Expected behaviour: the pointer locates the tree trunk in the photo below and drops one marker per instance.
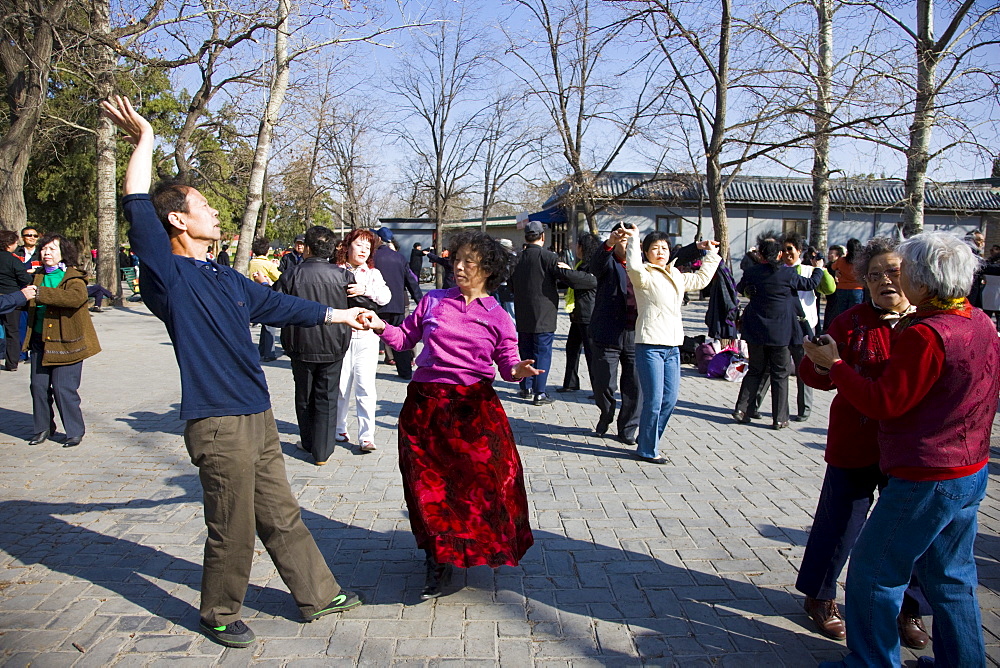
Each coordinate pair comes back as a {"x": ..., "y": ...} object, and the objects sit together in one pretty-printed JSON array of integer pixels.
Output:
[
  {"x": 820, "y": 223},
  {"x": 713, "y": 172},
  {"x": 255, "y": 188},
  {"x": 107, "y": 221},
  {"x": 26, "y": 65},
  {"x": 717, "y": 205},
  {"x": 918, "y": 152}
]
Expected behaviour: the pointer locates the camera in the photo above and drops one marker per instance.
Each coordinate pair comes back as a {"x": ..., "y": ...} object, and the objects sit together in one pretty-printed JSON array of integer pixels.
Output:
[{"x": 622, "y": 225}]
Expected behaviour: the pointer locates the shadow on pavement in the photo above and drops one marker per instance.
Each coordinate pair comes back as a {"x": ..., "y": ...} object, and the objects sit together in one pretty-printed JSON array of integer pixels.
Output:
[{"x": 671, "y": 610}]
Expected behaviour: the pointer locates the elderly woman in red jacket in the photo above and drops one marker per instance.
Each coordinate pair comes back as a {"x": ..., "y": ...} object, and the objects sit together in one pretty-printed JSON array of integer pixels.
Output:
[
  {"x": 862, "y": 334},
  {"x": 935, "y": 402}
]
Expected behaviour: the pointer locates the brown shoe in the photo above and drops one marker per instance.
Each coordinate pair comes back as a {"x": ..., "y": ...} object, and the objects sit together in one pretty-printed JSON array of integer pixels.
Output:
[
  {"x": 826, "y": 615},
  {"x": 911, "y": 631}
]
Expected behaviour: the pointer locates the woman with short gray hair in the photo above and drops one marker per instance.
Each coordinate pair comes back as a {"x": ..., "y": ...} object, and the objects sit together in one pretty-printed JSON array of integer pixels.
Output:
[{"x": 935, "y": 403}]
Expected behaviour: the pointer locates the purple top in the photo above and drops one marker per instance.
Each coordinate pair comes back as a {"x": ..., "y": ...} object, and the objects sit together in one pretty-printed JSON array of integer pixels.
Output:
[{"x": 461, "y": 341}]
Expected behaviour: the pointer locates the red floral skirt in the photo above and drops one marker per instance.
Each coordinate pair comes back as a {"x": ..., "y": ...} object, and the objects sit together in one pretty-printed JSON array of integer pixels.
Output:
[{"x": 462, "y": 478}]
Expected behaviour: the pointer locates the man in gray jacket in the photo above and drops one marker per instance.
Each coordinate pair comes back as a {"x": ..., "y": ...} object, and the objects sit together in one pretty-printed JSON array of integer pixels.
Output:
[{"x": 317, "y": 352}]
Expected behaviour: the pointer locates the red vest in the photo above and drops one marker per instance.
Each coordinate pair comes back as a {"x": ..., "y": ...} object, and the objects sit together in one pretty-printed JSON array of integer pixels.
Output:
[{"x": 950, "y": 427}]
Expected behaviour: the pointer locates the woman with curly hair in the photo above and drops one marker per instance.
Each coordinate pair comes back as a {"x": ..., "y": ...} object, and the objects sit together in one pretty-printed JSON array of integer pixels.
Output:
[
  {"x": 60, "y": 336},
  {"x": 356, "y": 254},
  {"x": 462, "y": 477}
]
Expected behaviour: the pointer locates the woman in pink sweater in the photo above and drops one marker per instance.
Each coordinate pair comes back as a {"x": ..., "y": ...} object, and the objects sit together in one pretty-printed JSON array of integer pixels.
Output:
[{"x": 462, "y": 478}]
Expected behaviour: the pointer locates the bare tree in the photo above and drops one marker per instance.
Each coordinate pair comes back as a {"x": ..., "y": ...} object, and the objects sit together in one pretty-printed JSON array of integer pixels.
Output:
[
  {"x": 592, "y": 111},
  {"x": 959, "y": 43},
  {"x": 827, "y": 90},
  {"x": 509, "y": 146},
  {"x": 345, "y": 142},
  {"x": 439, "y": 79},
  {"x": 284, "y": 56}
]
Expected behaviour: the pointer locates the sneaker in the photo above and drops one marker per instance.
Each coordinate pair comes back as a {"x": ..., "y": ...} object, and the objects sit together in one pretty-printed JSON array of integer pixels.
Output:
[
  {"x": 342, "y": 438},
  {"x": 236, "y": 634},
  {"x": 367, "y": 446},
  {"x": 345, "y": 600}
]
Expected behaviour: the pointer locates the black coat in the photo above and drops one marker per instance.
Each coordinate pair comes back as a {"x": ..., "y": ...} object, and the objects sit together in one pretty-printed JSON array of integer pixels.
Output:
[
  {"x": 289, "y": 260},
  {"x": 318, "y": 280},
  {"x": 416, "y": 261},
  {"x": 723, "y": 305},
  {"x": 13, "y": 277},
  {"x": 397, "y": 275},
  {"x": 536, "y": 295},
  {"x": 771, "y": 318}
]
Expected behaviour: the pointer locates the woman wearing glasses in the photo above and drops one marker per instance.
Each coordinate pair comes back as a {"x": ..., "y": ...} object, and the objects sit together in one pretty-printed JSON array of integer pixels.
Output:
[{"x": 862, "y": 334}]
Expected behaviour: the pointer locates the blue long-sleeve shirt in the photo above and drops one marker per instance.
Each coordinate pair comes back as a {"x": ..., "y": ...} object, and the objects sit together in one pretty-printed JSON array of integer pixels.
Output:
[{"x": 207, "y": 309}]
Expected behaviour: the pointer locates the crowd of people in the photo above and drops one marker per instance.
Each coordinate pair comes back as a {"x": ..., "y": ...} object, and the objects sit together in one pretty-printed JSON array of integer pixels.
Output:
[{"x": 911, "y": 360}]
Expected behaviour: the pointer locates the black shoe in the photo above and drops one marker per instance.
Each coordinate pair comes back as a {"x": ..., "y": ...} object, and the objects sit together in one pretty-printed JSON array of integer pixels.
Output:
[
  {"x": 40, "y": 437},
  {"x": 72, "y": 442},
  {"x": 345, "y": 600},
  {"x": 627, "y": 440},
  {"x": 651, "y": 460},
  {"x": 781, "y": 425},
  {"x": 755, "y": 415},
  {"x": 602, "y": 427},
  {"x": 741, "y": 417},
  {"x": 524, "y": 394},
  {"x": 267, "y": 359},
  {"x": 236, "y": 634},
  {"x": 803, "y": 416},
  {"x": 438, "y": 575},
  {"x": 543, "y": 400},
  {"x": 568, "y": 389}
]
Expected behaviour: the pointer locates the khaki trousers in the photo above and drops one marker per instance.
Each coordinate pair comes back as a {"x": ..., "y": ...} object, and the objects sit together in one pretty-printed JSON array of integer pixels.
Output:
[{"x": 242, "y": 471}]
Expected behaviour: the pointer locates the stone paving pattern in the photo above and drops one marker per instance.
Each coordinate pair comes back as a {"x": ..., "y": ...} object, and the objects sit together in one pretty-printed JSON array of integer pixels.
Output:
[{"x": 689, "y": 564}]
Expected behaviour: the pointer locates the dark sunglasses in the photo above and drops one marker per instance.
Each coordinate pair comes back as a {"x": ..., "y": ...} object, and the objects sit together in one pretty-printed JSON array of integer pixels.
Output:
[{"x": 30, "y": 235}]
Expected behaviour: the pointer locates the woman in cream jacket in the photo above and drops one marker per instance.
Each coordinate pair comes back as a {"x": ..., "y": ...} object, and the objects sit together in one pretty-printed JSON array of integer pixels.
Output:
[{"x": 659, "y": 291}]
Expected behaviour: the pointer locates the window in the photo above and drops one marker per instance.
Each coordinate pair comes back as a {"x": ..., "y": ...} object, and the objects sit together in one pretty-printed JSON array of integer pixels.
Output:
[
  {"x": 801, "y": 227},
  {"x": 669, "y": 224}
]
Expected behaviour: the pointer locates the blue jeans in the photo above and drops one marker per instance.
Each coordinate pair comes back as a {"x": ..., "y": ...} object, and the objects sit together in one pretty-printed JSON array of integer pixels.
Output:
[
  {"x": 928, "y": 528},
  {"x": 659, "y": 371},
  {"x": 536, "y": 347}
]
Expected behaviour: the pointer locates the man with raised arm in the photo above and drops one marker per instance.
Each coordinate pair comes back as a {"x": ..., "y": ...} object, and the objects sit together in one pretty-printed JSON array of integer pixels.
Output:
[{"x": 230, "y": 433}]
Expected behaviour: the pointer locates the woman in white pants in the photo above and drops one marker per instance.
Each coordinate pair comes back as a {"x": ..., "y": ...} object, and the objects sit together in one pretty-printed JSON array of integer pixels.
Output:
[{"x": 356, "y": 254}]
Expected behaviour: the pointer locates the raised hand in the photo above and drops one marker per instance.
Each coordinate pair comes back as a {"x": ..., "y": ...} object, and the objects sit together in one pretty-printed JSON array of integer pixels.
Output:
[
  {"x": 708, "y": 244},
  {"x": 119, "y": 109}
]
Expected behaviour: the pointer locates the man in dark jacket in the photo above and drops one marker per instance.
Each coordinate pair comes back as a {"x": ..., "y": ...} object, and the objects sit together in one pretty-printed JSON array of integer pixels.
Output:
[
  {"x": 612, "y": 333},
  {"x": 13, "y": 277},
  {"x": 417, "y": 259},
  {"x": 317, "y": 352},
  {"x": 397, "y": 275},
  {"x": 289, "y": 260},
  {"x": 223, "y": 259},
  {"x": 536, "y": 304}
]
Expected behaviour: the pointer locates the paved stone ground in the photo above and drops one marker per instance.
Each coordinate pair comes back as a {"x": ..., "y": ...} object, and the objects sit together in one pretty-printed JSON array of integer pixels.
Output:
[{"x": 691, "y": 564}]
